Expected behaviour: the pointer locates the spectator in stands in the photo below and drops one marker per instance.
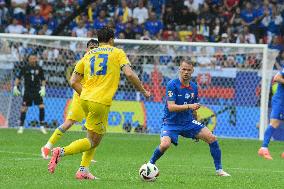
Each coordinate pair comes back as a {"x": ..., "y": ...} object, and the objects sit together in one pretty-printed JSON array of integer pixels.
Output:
[
  {"x": 137, "y": 29},
  {"x": 124, "y": 11},
  {"x": 169, "y": 19},
  {"x": 146, "y": 35},
  {"x": 203, "y": 29},
  {"x": 154, "y": 26},
  {"x": 101, "y": 21},
  {"x": 273, "y": 23},
  {"x": 249, "y": 16},
  {"x": 15, "y": 27},
  {"x": 45, "y": 9},
  {"x": 193, "y": 5},
  {"x": 157, "y": 6},
  {"x": 128, "y": 32},
  {"x": 44, "y": 30},
  {"x": 224, "y": 38},
  {"x": 263, "y": 11},
  {"x": 140, "y": 12},
  {"x": 52, "y": 22},
  {"x": 186, "y": 17},
  {"x": 3, "y": 15},
  {"x": 231, "y": 4},
  {"x": 30, "y": 29},
  {"x": 215, "y": 30},
  {"x": 80, "y": 30},
  {"x": 246, "y": 36},
  {"x": 206, "y": 14},
  {"x": 36, "y": 20},
  {"x": 236, "y": 21},
  {"x": 19, "y": 9},
  {"x": 119, "y": 26},
  {"x": 276, "y": 44}
]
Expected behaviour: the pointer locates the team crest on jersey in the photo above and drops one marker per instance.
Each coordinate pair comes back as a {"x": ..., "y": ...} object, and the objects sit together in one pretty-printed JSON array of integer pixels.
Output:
[
  {"x": 170, "y": 93},
  {"x": 187, "y": 96},
  {"x": 192, "y": 95}
]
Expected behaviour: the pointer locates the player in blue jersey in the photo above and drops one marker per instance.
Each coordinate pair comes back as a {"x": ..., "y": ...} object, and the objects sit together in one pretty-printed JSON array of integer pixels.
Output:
[
  {"x": 277, "y": 115},
  {"x": 179, "y": 117}
]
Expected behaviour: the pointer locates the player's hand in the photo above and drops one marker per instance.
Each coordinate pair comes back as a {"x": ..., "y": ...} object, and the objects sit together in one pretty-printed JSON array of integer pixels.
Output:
[
  {"x": 147, "y": 94},
  {"x": 16, "y": 91},
  {"x": 194, "y": 106},
  {"x": 42, "y": 91}
]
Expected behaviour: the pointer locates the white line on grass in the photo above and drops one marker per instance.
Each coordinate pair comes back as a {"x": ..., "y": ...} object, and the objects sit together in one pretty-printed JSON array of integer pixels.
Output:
[{"x": 234, "y": 168}]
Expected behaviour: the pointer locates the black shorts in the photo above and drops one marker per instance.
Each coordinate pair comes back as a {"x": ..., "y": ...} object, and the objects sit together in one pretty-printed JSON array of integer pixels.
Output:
[{"x": 30, "y": 98}]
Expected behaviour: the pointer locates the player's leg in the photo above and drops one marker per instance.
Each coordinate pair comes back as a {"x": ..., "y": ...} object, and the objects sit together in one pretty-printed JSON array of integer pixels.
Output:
[
  {"x": 75, "y": 114},
  {"x": 41, "y": 118},
  {"x": 96, "y": 128},
  {"x": 272, "y": 127},
  {"x": 24, "y": 110},
  {"x": 91, "y": 141},
  {"x": 206, "y": 135},
  {"x": 167, "y": 137},
  {"x": 27, "y": 101},
  {"x": 100, "y": 120},
  {"x": 56, "y": 135}
]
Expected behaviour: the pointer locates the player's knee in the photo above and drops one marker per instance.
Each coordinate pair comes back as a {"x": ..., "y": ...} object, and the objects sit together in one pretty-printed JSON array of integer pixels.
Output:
[
  {"x": 165, "y": 145},
  {"x": 212, "y": 139},
  {"x": 67, "y": 124},
  {"x": 41, "y": 106}
]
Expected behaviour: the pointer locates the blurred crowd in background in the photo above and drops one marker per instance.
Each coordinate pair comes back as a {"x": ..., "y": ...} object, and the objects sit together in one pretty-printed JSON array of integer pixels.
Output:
[{"x": 235, "y": 21}]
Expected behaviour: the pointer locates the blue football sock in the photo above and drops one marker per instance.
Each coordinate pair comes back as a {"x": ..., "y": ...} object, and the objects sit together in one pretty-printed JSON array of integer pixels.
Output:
[
  {"x": 216, "y": 154},
  {"x": 267, "y": 135},
  {"x": 156, "y": 155}
]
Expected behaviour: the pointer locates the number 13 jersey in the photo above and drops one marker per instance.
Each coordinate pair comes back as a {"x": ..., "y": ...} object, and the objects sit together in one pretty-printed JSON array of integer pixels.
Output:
[{"x": 101, "y": 71}]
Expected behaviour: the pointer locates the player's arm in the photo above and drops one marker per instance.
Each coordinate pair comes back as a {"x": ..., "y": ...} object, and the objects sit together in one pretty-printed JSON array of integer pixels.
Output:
[
  {"x": 133, "y": 78},
  {"x": 75, "y": 82},
  {"x": 16, "y": 91},
  {"x": 173, "y": 107},
  {"x": 279, "y": 78},
  {"x": 77, "y": 76},
  {"x": 43, "y": 82}
]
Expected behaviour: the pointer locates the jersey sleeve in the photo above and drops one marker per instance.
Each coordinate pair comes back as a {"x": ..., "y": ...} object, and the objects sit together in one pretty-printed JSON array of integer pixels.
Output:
[
  {"x": 79, "y": 68},
  {"x": 171, "y": 96},
  {"x": 122, "y": 58}
]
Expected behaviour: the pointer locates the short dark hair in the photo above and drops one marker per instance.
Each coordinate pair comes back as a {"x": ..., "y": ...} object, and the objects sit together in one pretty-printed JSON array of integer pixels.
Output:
[
  {"x": 186, "y": 60},
  {"x": 105, "y": 34},
  {"x": 92, "y": 42}
]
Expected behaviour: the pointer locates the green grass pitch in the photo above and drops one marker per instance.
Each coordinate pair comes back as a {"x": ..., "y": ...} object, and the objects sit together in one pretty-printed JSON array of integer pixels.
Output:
[{"x": 120, "y": 156}]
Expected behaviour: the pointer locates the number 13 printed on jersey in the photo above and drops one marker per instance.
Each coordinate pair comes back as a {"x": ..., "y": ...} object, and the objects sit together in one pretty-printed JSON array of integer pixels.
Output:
[{"x": 102, "y": 61}]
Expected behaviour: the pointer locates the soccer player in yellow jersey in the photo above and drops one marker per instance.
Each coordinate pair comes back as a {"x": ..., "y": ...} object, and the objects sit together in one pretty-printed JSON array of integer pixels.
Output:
[
  {"x": 75, "y": 114},
  {"x": 100, "y": 69}
]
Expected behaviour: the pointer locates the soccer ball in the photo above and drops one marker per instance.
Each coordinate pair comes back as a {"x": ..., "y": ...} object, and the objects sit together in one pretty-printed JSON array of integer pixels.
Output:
[{"x": 149, "y": 172}]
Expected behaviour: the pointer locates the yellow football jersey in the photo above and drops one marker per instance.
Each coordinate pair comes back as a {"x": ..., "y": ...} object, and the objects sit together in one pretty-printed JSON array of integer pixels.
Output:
[{"x": 101, "y": 70}]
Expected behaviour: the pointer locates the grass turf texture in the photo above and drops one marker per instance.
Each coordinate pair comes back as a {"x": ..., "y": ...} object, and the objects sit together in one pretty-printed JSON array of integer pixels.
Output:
[{"x": 120, "y": 156}]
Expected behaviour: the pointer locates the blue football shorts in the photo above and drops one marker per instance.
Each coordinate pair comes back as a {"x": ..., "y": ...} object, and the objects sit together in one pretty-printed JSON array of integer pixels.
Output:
[{"x": 173, "y": 131}]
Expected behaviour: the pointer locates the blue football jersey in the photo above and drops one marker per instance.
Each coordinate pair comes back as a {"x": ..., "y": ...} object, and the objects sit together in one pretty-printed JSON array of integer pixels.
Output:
[
  {"x": 180, "y": 95},
  {"x": 278, "y": 97}
]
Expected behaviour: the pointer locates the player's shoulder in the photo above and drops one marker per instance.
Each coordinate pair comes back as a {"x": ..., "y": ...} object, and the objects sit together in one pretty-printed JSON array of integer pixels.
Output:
[
  {"x": 173, "y": 82},
  {"x": 193, "y": 85}
]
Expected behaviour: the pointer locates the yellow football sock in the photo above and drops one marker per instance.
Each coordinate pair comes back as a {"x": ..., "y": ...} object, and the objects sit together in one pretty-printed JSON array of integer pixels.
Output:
[
  {"x": 77, "y": 146},
  {"x": 57, "y": 134},
  {"x": 87, "y": 157}
]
